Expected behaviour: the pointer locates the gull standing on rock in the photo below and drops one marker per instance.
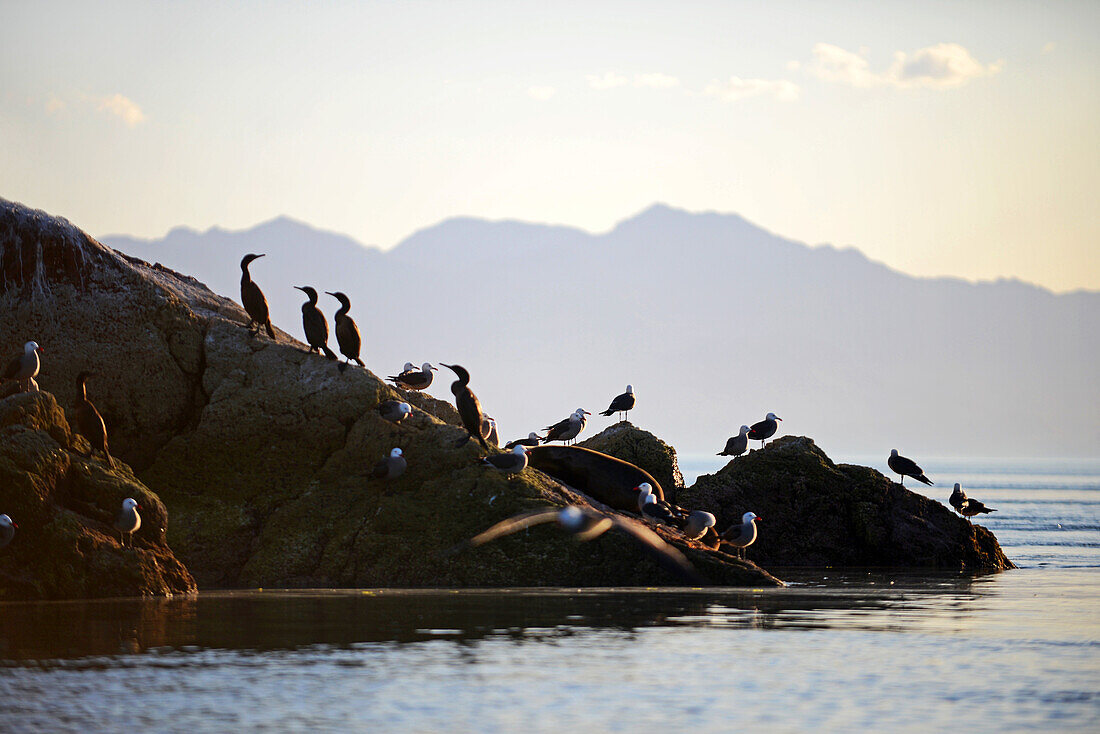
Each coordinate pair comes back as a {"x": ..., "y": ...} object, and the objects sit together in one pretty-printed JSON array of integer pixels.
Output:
[
  {"x": 314, "y": 324},
  {"x": 512, "y": 462},
  {"x": 568, "y": 429},
  {"x": 736, "y": 445},
  {"x": 394, "y": 411},
  {"x": 127, "y": 521},
  {"x": 965, "y": 506},
  {"x": 347, "y": 332},
  {"x": 89, "y": 422},
  {"x": 469, "y": 407},
  {"x": 390, "y": 467},
  {"x": 765, "y": 429},
  {"x": 906, "y": 468},
  {"x": 743, "y": 535},
  {"x": 957, "y": 498},
  {"x": 651, "y": 508},
  {"x": 24, "y": 368},
  {"x": 252, "y": 298},
  {"x": 7, "y": 530},
  {"x": 622, "y": 403},
  {"x": 533, "y": 439},
  {"x": 412, "y": 378}
]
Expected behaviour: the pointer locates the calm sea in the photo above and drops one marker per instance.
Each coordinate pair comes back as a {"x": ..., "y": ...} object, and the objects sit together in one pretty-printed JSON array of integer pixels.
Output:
[{"x": 1013, "y": 651}]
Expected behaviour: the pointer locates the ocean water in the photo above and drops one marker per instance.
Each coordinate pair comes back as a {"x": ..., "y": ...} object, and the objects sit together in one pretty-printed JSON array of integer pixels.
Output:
[{"x": 833, "y": 651}]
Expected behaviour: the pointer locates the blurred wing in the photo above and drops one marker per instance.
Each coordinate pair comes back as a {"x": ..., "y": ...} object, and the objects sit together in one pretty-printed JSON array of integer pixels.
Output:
[
  {"x": 600, "y": 526},
  {"x": 669, "y": 558},
  {"x": 514, "y": 524}
]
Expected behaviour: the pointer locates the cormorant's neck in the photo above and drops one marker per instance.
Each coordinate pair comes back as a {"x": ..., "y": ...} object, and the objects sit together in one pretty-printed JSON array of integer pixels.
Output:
[
  {"x": 83, "y": 391},
  {"x": 344, "y": 308}
]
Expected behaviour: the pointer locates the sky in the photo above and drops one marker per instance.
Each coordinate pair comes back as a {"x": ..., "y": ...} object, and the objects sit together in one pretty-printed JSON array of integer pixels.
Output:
[{"x": 941, "y": 138}]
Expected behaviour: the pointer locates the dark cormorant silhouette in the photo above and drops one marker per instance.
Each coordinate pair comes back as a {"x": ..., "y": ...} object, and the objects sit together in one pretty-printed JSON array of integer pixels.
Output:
[
  {"x": 347, "y": 333},
  {"x": 469, "y": 407},
  {"x": 252, "y": 298},
  {"x": 313, "y": 321},
  {"x": 89, "y": 422}
]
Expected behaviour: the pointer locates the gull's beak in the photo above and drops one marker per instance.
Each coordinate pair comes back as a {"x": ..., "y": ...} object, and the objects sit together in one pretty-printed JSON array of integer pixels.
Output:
[
  {"x": 778, "y": 418},
  {"x": 436, "y": 368},
  {"x": 40, "y": 349},
  {"x": 758, "y": 519}
]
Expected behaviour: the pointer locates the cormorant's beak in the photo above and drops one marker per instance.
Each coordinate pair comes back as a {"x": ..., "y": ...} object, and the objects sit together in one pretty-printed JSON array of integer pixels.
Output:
[
  {"x": 257, "y": 257},
  {"x": 330, "y": 294},
  {"x": 303, "y": 290}
]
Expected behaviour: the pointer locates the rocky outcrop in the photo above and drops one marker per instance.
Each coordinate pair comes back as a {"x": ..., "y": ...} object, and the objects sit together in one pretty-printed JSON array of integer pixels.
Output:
[
  {"x": 263, "y": 452},
  {"x": 625, "y": 441},
  {"x": 817, "y": 513},
  {"x": 65, "y": 506}
]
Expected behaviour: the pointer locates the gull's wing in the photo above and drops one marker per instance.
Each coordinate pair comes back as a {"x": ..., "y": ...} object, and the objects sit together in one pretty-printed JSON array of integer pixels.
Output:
[{"x": 669, "y": 558}]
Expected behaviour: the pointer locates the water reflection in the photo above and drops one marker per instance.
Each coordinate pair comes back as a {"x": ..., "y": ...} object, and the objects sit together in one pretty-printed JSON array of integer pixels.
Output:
[{"x": 288, "y": 620}]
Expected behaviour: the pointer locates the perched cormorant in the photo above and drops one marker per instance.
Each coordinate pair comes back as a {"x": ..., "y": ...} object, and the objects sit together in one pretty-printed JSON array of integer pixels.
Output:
[
  {"x": 906, "y": 468},
  {"x": 347, "y": 333},
  {"x": 736, "y": 445},
  {"x": 252, "y": 298},
  {"x": 513, "y": 462},
  {"x": 127, "y": 521},
  {"x": 390, "y": 467},
  {"x": 585, "y": 524},
  {"x": 313, "y": 321},
  {"x": 489, "y": 430},
  {"x": 7, "y": 530},
  {"x": 765, "y": 429},
  {"x": 622, "y": 403},
  {"x": 412, "y": 378},
  {"x": 469, "y": 407},
  {"x": 394, "y": 410},
  {"x": 567, "y": 429},
  {"x": 743, "y": 535},
  {"x": 25, "y": 367},
  {"x": 89, "y": 422},
  {"x": 532, "y": 439}
]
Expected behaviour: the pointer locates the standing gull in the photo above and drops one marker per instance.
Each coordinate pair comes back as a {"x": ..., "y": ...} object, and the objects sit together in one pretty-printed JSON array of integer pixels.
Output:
[
  {"x": 469, "y": 407},
  {"x": 412, "y": 378},
  {"x": 736, "y": 445},
  {"x": 394, "y": 410},
  {"x": 532, "y": 440},
  {"x": 698, "y": 522},
  {"x": 390, "y": 467},
  {"x": 7, "y": 530},
  {"x": 653, "y": 509},
  {"x": 512, "y": 462},
  {"x": 127, "y": 521},
  {"x": 765, "y": 429},
  {"x": 252, "y": 298},
  {"x": 89, "y": 422},
  {"x": 958, "y": 498},
  {"x": 965, "y": 506},
  {"x": 743, "y": 535},
  {"x": 622, "y": 403},
  {"x": 347, "y": 332},
  {"x": 24, "y": 368},
  {"x": 567, "y": 429},
  {"x": 906, "y": 468},
  {"x": 314, "y": 324}
]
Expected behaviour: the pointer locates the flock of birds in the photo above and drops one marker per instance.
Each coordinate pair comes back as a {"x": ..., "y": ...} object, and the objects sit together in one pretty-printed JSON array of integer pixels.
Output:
[{"x": 582, "y": 523}]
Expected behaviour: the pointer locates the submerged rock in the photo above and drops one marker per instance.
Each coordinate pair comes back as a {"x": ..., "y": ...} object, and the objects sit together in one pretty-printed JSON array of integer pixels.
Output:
[
  {"x": 65, "y": 505},
  {"x": 817, "y": 513},
  {"x": 262, "y": 452},
  {"x": 627, "y": 442}
]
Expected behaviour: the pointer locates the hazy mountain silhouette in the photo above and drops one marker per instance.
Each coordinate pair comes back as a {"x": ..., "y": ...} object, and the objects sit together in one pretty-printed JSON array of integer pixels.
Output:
[{"x": 714, "y": 320}]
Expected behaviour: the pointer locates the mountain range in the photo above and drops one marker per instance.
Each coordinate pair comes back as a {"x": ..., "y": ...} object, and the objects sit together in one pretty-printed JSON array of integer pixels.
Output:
[{"x": 713, "y": 320}]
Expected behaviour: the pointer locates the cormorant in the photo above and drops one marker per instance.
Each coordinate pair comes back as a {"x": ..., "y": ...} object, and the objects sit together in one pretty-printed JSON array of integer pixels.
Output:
[
  {"x": 765, "y": 429},
  {"x": 412, "y": 378},
  {"x": 906, "y": 467},
  {"x": 736, "y": 445},
  {"x": 24, "y": 368},
  {"x": 127, "y": 521},
  {"x": 469, "y": 407},
  {"x": 252, "y": 298},
  {"x": 622, "y": 403},
  {"x": 347, "y": 333},
  {"x": 313, "y": 321},
  {"x": 89, "y": 422}
]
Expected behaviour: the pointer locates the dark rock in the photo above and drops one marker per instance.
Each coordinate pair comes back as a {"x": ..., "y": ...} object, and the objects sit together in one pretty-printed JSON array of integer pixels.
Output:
[
  {"x": 816, "y": 513},
  {"x": 65, "y": 506},
  {"x": 641, "y": 448}
]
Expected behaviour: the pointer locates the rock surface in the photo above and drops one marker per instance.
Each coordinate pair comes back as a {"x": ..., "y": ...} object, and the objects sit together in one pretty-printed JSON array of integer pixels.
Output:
[
  {"x": 625, "y": 441},
  {"x": 816, "y": 513},
  {"x": 65, "y": 506},
  {"x": 262, "y": 452}
]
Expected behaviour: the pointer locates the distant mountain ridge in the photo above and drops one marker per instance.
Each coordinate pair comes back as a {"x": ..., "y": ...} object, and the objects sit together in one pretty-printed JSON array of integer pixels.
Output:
[{"x": 714, "y": 320}]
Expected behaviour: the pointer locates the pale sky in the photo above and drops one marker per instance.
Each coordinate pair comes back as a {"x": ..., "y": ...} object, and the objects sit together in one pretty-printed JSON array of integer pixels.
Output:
[{"x": 942, "y": 138}]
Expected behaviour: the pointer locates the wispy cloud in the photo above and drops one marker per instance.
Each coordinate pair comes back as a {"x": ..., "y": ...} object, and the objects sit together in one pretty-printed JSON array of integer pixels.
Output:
[
  {"x": 607, "y": 80},
  {"x": 55, "y": 105},
  {"x": 123, "y": 108},
  {"x": 541, "y": 93},
  {"x": 936, "y": 67},
  {"x": 737, "y": 89},
  {"x": 613, "y": 79},
  {"x": 656, "y": 81}
]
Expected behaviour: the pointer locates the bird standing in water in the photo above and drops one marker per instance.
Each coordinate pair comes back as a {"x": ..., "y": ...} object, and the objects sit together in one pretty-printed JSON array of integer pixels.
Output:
[{"x": 252, "y": 298}]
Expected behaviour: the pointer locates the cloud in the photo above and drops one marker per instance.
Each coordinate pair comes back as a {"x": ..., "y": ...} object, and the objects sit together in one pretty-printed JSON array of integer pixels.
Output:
[
  {"x": 1048, "y": 47},
  {"x": 937, "y": 67},
  {"x": 737, "y": 89},
  {"x": 656, "y": 81},
  {"x": 55, "y": 105},
  {"x": 123, "y": 108},
  {"x": 607, "y": 80},
  {"x": 541, "y": 93}
]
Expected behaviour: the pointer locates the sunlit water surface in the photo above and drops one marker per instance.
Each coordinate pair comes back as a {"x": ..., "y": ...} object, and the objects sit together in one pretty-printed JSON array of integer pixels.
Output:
[{"x": 1013, "y": 651}]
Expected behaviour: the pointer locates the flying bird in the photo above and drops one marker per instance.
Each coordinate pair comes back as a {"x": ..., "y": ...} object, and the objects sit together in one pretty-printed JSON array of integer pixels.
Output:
[
  {"x": 469, "y": 407},
  {"x": 412, "y": 378},
  {"x": 906, "y": 468},
  {"x": 127, "y": 521},
  {"x": 736, "y": 445},
  {"x": 314, "y": 324},
  {"x": 622, "y": 403},
  {"x": 24, "y": 368},
  {"x": 347, "y": 332},
  {"x": 252, "y": 298},
  {"x": 89, "y": 422},
  {"x": 765, "y": 429}
]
